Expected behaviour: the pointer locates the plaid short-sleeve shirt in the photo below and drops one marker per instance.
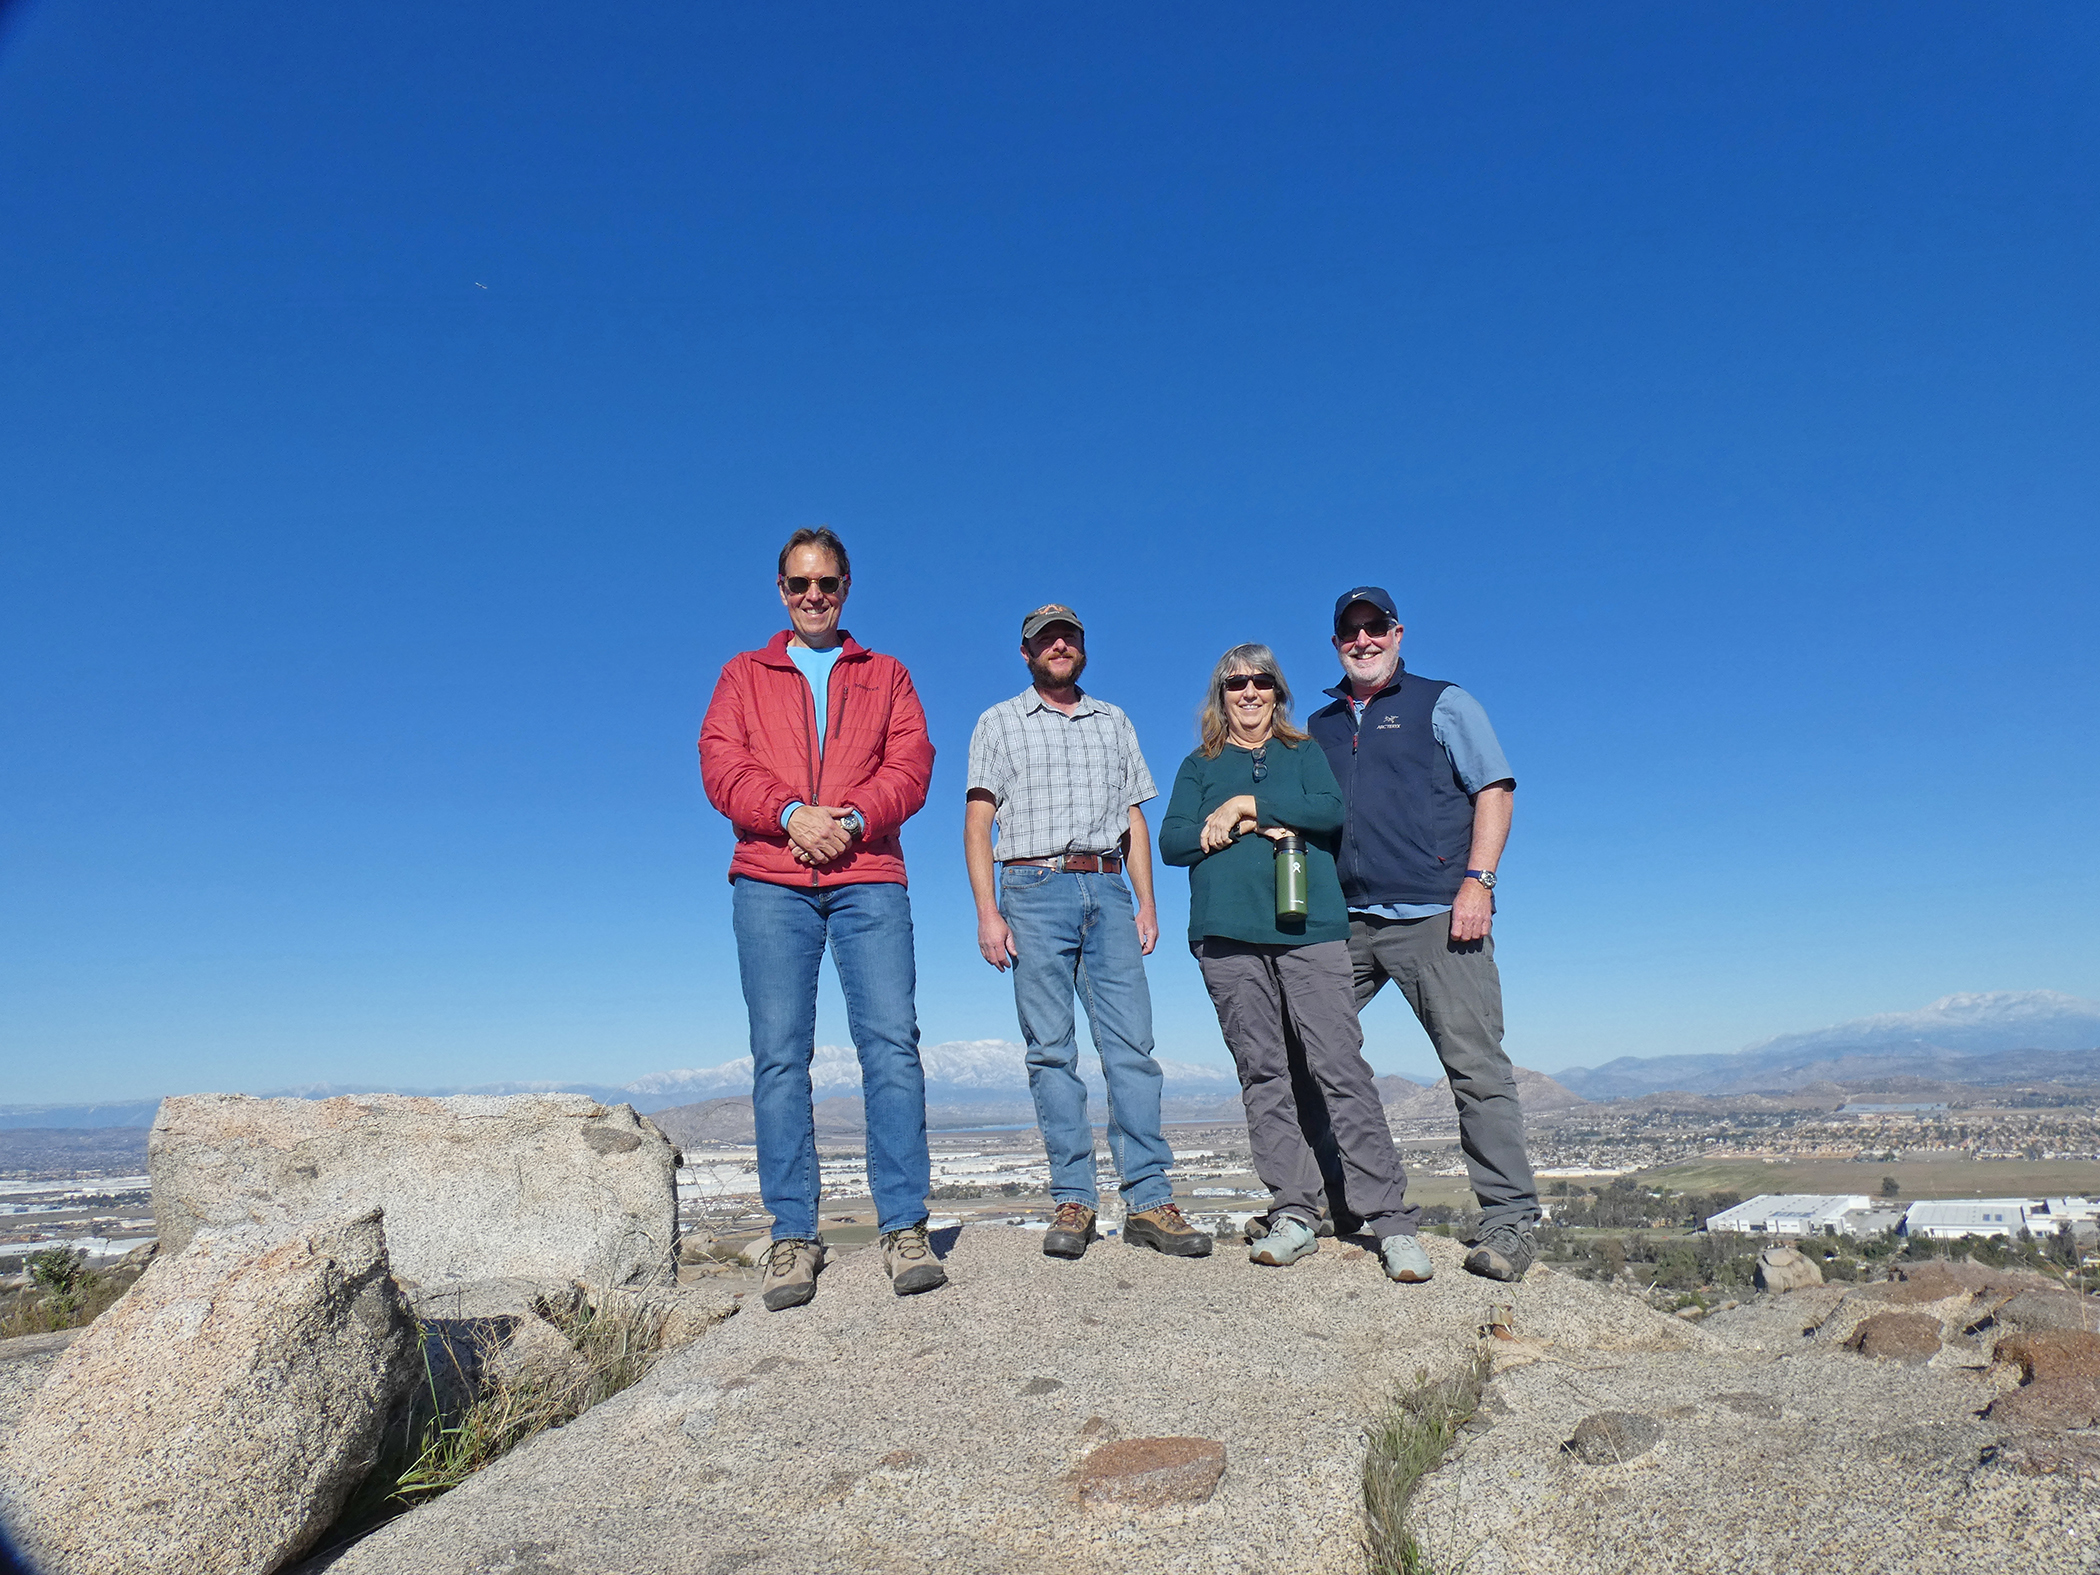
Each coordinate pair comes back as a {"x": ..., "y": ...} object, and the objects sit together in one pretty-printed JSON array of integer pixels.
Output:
[{"x": 1060, "y": 784}]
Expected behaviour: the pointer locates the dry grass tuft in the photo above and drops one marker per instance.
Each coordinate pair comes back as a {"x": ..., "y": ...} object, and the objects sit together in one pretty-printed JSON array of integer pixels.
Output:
[{"x": 1403, "y": 1449}]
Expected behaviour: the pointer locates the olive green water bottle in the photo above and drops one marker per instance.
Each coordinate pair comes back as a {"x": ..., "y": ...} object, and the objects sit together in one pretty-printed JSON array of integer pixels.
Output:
[{"x": 1290, "y": 878}]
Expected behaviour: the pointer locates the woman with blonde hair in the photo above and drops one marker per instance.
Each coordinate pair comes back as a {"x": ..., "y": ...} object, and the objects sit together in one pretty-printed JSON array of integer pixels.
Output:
[{"x": 1255, "y": 785}]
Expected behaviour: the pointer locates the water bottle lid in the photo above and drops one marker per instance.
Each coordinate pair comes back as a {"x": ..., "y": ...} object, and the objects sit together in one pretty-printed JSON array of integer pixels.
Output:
[{"x": 1290, "y": 844}]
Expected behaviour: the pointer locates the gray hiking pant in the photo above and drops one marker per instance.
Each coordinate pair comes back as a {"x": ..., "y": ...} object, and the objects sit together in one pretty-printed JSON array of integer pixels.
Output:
[
  {"x": 1456, "y": 991},
  {"x": 1270, "y": 999}
]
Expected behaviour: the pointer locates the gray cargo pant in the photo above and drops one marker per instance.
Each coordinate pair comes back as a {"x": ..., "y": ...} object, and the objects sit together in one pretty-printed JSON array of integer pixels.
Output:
[
  {"x": 1456, "y": 991},
  {"x": 1268, "y": 999}
]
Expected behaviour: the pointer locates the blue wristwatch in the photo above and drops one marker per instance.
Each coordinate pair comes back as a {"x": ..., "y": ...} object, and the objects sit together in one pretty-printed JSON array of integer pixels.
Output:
[{"x": 1485, "y": 877}]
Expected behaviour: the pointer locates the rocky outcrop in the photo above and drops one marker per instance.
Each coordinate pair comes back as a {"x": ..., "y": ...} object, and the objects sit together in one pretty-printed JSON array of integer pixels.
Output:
[
  {"x": 2051, "y": 1353},
  {"x": 547, "y": 1187},
  {"x": 1206, "y": 1415},
  {"x": 1785, "y": 1268},
  {"x": 1897, "y": 1337},
  {"x": 217, "y": 1417},
  {"x": 1410, "y": 1102},
  {"x": 1779, "y": 1452}
]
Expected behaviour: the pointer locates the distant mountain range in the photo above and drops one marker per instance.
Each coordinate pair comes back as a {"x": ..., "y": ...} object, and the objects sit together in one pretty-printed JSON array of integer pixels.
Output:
[
  {"x": 2004, "y": 1036},
  {"x": 987, "y": 1073}
]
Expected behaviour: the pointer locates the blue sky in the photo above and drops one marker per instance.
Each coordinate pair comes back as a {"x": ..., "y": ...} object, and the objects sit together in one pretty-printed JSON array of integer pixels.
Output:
[{"x": 400, "y": 408}]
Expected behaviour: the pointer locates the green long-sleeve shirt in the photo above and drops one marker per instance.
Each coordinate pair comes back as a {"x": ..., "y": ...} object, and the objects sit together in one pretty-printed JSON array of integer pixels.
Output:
[{"x": 1233, "y": 892}]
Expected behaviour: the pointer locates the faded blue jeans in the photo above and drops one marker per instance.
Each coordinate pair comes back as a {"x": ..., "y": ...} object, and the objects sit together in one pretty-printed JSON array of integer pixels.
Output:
[
  {"x": 1078, "y": 933},
  {"x": 781, "y": 932}
]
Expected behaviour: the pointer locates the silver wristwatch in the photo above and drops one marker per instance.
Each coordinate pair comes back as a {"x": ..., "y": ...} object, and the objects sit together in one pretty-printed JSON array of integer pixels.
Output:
[{"x": 1485, "y": 877}]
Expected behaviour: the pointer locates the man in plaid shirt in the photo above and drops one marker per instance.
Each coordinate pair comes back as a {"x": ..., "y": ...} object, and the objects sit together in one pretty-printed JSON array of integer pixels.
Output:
[{"x": 1059, "y": 777}]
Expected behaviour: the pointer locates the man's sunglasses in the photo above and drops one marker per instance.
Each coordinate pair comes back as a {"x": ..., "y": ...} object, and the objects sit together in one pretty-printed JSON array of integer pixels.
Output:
[
  {"x": 799, "y": 584},
  {"x": 1239, "y": 681},
  {"x": 1376, "y": 628}
]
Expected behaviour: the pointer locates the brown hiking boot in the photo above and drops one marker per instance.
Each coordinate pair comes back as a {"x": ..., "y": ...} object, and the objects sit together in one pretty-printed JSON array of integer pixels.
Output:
[
  {"x": 907, "y": 1257},
  {"x": 791, "y": 1273},
  {"x": 1070, "y": 1231},
  {"x": 1164, "y": 1229}
]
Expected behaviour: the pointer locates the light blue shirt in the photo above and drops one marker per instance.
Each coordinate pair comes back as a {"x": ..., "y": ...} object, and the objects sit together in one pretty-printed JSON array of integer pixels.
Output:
[
  {"x": 816, "y": 668},
  {"x": 1461, "y": 726}
]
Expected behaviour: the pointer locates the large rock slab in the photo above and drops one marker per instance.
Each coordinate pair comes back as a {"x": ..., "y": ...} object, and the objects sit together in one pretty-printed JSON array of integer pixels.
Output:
[
  {"x": 218, "y": 1416},
  {"x": 878, "y": 1435},
  {"x": 537, "y": 1186}
]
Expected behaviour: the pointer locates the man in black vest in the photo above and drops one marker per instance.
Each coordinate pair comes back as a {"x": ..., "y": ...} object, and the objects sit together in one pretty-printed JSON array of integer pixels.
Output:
[{"x": 1429, "y": 796}]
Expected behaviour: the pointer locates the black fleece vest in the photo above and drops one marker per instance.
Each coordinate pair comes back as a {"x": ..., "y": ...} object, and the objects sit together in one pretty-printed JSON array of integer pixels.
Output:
[{"x": 1410, "y": 824}]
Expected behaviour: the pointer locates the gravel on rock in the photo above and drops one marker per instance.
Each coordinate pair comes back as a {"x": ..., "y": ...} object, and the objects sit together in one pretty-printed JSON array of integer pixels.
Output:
[{"x": 1610, "y": 1438}]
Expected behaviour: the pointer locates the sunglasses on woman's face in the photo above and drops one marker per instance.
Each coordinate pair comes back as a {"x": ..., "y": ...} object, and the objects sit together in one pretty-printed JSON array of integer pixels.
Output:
[
  {"x": 799, "y": 584},
  {"x": 1239, "y": 681}
]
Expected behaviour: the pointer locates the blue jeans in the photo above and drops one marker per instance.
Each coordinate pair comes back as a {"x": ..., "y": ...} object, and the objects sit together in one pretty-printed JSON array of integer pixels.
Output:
[
  {"x": 780, "y": 936},
  {"x": 1079, "y": 933}
]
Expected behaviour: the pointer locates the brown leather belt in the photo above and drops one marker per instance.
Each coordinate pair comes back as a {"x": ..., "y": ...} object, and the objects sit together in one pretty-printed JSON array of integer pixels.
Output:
[{"x": 1076, "y": 863}]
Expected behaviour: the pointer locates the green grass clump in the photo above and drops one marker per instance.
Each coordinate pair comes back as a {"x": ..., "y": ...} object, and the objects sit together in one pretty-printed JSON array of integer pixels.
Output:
[
  {"x": 476, "y": 1409},
  {"x": 1403, "y": 1449}
]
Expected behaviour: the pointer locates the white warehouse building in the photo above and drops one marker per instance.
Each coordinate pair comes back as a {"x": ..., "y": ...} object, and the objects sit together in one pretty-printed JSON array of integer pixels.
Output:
[
  {"x": 1805, "y": 1214},
  {"x": 1953, "y": 1219}
]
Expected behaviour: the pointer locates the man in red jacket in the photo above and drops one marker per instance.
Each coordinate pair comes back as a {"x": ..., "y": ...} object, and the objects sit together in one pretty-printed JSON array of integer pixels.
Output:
[{"x": 816, "y": 750}]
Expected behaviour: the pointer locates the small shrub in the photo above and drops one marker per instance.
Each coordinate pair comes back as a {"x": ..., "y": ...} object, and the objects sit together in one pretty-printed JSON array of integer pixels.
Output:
[{"x": 64, "y": 1293}]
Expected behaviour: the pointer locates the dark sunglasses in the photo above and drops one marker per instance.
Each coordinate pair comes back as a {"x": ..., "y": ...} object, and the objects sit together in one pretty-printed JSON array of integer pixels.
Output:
[
  {"x": 1239, "y": 681},
  {"x": 1376, "y": 628},
  {"x": 799, "y": 584}
]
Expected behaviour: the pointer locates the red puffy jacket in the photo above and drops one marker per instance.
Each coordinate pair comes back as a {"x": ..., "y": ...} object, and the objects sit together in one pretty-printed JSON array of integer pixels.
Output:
[{"x": 758, "y": 754}]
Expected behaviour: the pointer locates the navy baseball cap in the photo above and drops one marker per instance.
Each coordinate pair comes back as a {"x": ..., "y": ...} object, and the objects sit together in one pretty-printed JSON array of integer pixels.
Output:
[{"x": 1374, "y": 594}]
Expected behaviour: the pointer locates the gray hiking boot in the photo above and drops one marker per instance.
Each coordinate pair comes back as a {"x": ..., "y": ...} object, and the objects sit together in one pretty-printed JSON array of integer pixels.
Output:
[
  {"x": 907, "y": 1257},
  {"x": 792, "y": 1267},
  {"x": 1502, "y": 1252},
  {"x": 1165, "y": 1229},
  {"x": 1289, "y": 1238},
  {"x": 1405, "y": 1260},
  {"x": 1070, "y": 1232}
]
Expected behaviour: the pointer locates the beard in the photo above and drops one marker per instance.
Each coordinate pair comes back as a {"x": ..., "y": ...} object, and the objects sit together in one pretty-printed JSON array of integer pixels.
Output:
[
  {"x": 1382, "y": 668},
  {"x": 1041, "y": 671}
]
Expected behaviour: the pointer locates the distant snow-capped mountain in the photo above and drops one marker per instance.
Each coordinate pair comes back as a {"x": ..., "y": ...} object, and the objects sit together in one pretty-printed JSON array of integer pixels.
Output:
[
  {"x": 1986, "y": 1036},
  {"x": 958, "y": 1071}
]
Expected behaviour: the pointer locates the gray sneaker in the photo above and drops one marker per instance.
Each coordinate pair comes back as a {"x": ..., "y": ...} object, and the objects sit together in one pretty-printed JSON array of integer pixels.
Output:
[
  {"x": 1405, "y": 1260},
  {"x": 1346, "y": 1224},
  {"x": 1502, "y": 1252},
  {"x": 907, "y": 1257},
  {"x": 1288, "y": 1240},
  {"x": 792, "y": 1267}
]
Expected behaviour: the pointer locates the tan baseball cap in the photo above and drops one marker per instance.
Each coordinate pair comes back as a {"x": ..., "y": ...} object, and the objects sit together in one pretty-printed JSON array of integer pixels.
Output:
[{"x": 1047, "y": 614}]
